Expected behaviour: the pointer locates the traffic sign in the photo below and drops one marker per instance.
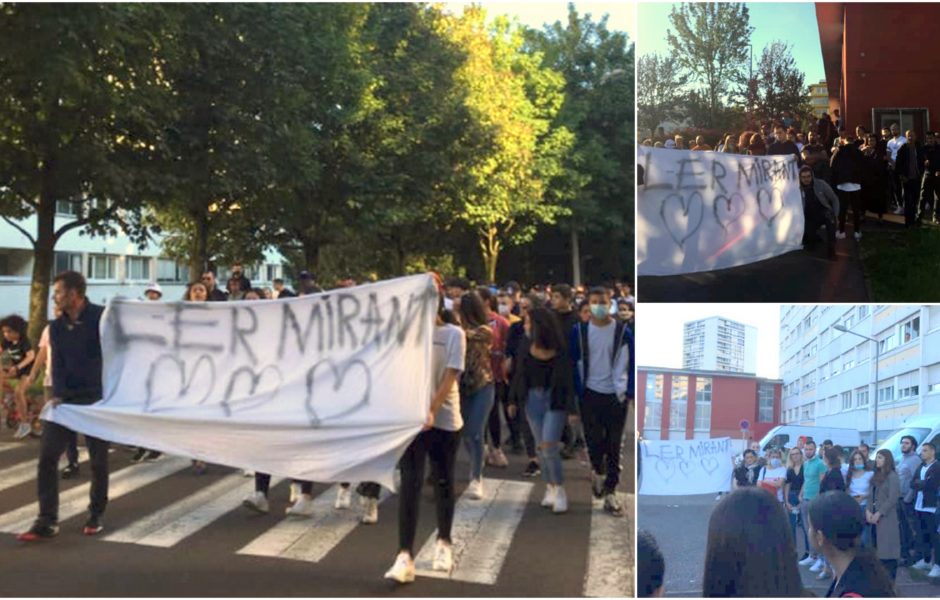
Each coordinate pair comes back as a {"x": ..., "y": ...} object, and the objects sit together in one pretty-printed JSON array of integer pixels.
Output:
[{"x": 745, "y": 425}]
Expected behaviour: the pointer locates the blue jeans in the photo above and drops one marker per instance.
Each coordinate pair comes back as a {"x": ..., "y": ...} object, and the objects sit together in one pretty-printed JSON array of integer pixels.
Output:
[
  {"x": 475, "y": 409},
  {"x": 797, "y": 521},
  {"x": 546, "y": 425}
]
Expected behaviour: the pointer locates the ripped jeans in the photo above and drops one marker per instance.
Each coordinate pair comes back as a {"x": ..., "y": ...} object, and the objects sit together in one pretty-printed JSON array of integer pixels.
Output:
[
  {"x": 475, "y": 410},
  {"x": 547, "y": 426}
]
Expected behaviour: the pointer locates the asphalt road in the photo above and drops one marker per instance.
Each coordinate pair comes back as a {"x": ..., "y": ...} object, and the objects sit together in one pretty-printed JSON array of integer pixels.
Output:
[
  {"x": 178, "y": 534},
  {"x": 680, "y": 526}
]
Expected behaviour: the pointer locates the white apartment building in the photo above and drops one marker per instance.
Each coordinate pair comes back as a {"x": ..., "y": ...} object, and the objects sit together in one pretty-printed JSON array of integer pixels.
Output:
[
  {"x": 719, "y": 344},
  {"x": 829, "y": 376},
  {"x": 112, "y": 265}
]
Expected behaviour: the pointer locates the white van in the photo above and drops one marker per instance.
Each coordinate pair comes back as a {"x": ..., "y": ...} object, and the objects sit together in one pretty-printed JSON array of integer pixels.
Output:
[
  {"x": 786, "y": 436},
  {"x": 923, "y": 428}
]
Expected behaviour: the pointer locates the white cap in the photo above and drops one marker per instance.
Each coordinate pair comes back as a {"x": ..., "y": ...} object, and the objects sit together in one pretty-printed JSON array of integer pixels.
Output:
[
  {"x": 154, "y": 287},
  {"x": 669, "y": 144}
]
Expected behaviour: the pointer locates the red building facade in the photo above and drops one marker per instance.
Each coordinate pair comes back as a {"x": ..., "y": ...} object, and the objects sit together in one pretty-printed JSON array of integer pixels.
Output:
[
  {"x": 879, "y": 66},
  {"x": 690, "y": 404}
]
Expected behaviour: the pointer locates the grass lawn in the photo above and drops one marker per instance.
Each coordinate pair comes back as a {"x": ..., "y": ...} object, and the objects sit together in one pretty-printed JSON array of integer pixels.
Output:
[{"x": 903, "y": 266}]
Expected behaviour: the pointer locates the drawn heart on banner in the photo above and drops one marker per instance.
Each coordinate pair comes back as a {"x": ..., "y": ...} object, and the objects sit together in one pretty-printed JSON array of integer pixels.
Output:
[
  {"x": 728, "y": 209},
  {"x": 345, "y": 396},
  {"x": 665, "y": 469},
  {"x": 263, "y": 386},
  {"x": 168, "y": 386},
  {"x": 710, "y": 464},
  {"x": 682, "y": 216},
  {"x": 770, "y": 204},
  {"x": 685, "y": 468}
]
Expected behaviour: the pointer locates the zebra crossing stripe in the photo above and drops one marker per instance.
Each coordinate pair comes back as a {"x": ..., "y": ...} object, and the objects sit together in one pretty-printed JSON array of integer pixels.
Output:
[
  {"x": 170, "y": 525},
  {"x": 23, "y": 472},
  {"x": 481, "y": 534},
  {"x": 610, "y": 552},
  {"x": 308, "y": 540},
  {"x": 75, "y": 501},
  {"x": 5, "y": 447}
]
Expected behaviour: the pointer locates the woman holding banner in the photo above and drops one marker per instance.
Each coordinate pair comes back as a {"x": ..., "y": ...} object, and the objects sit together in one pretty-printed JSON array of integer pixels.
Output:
[{"x": 438, "y": 441}]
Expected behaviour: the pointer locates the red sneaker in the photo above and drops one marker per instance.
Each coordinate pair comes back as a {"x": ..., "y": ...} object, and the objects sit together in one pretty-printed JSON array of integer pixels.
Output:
[{"x": 39, "y": 531}]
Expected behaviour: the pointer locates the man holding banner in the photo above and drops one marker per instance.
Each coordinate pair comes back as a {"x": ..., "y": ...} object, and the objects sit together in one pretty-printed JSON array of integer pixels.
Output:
[{"x": 76, "y": 379}]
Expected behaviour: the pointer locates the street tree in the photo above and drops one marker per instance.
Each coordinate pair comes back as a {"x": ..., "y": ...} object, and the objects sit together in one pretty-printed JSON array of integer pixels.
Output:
[
  {"x": 778, "y": 85},
  {"x": 711, "y": 43},
  {"x": 83, "y": 97},
  {"x": 659, "y": 93}
]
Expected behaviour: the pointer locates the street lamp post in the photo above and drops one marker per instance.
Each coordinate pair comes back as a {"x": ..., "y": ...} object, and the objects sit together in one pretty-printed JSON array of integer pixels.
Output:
[{"x": 843, "y": 329}]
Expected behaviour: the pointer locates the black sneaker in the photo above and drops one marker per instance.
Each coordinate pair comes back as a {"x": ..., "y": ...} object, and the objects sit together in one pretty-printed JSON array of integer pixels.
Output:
[
  {"x": 567, "y": 453},
  {"x": 93, "y": 525},
  {"x": 597, "y": 485},
  {"x": 70, "y": 471},
  {"x": 39, "y": 531},
  {"x": 139, "y": 455},
  {"x": 152, "y": 456},
  {"x": 532, "y": 470}
]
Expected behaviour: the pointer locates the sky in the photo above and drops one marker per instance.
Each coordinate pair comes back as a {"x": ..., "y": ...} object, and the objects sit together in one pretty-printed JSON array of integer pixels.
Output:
[
  {"x": 661, "y": 327},
  {"x": 537, "y": 14},
  {"x": 794, "y": 23}
]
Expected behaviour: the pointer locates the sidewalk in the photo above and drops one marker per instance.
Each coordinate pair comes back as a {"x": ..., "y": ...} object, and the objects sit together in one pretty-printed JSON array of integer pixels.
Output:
[{"x": 798, "y": 276}]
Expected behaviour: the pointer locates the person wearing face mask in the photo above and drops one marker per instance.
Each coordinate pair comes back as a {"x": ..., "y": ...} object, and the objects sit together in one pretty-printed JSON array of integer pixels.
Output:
[
  {"x": 859, "y": 486},
  {"x": 602, "y": 352},
  {"x": 774, "y": 475}
]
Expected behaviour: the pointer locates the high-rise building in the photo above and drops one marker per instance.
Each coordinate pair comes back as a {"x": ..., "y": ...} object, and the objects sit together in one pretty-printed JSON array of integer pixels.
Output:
[
  {"x": 819, "y": 98},
  {"x": 719, "y": 344},
  {"x": 829, "y": 376}
]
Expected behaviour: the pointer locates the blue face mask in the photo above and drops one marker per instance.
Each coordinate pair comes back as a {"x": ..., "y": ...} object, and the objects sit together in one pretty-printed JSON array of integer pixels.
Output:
[
  {"x": 599, "y": 311},
  {"x": 774, "y": 462},
  {"x": 859, "y": 467}
]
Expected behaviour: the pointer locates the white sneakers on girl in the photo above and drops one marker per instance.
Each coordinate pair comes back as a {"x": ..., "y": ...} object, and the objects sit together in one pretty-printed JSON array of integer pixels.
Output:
[
  {"x": 443, "y": 557},
  {"x": 370, "y": 512},
  {"x": 302, "y": 508},
  {"x": 561, "y": 501},
  {"x": 548, "y": 500},
  {"x": 403, "y": 571},
  {"x": 475, "y": 489}
]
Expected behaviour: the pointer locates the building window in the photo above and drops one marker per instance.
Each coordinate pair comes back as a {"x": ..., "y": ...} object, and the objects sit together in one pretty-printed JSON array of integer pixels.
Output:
[
  {"x": 67, "y": 261},
  {"x": 171, "y": 271},
  {"x": 861, "y": 397},
  {"x": 138, "y": 268},
  {"x": 908, "y": 385},
  {"x": 910, "y": 330},
  {"x": 679, "y": 405},
  {"x": 862, "y": 312},
  {"x": 703, "y": 403},
  {"x": 765, "y": 403},
  {"x": 846, "y": 400},
  {"x": 64, "y": 208},
  {"x": 848, "y": 360},
  {"x": 885, "y": 394},
  {"x": 102, "y": 266},
  {"x": 654, "y": 401}
]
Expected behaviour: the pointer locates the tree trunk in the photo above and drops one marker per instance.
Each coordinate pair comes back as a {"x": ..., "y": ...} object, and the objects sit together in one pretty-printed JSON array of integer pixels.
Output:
[
  {"x": 400, "y": 255},
  {"x": 199, "y": 259},
  {"x": 575, "y": 256},
  {"x": 43, "y": 260},
  {"x": 311, "y": 256},
  {"x": 489, "y": 245}
]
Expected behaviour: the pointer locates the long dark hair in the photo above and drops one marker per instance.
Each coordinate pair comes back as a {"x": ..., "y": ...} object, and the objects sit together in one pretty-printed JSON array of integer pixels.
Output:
[
  {"x": 881, "y": 473},
  {"x": 834, "y": 458},
  {"x": 473, "y": 311},
  {"x": 546, "y": 329},
  {"x": 839, "y": 518},
  {"x": 750, "y": 549}
]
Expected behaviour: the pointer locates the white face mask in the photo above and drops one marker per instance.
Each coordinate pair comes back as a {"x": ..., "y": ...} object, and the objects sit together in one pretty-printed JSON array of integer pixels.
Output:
[
  {"x": 504, "y": 309},
  {"x": 448, "y": 304}
]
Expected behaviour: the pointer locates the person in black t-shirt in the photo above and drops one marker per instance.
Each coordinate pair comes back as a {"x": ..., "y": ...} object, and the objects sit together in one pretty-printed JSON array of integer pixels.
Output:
[
  {"x": 18, "y": 356},
  {"x": 791, "y": 497}
]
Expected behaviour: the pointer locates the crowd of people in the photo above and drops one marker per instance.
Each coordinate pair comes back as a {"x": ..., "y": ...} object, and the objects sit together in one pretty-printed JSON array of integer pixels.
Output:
[
  {"x": 841, "y": 169},
  {"x": 554, "y": 366},
  {"x": 856, "y": 518}
]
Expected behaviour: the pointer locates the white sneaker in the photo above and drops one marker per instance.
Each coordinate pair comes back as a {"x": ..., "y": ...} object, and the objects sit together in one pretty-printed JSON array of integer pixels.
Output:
[
  {"x": 934, "y": 572},
  {"x": 921, "y": 565},
  {"x": 475, "y": 489},
  {"x": 561, "y": 501},
  {"x": 371, "y": 511},
  {"x": 807, "y": 561},
  {"x": 403, "y": 571},
  {"x": 548, "y": 500},
  {"x": 22, "y": 431},
  {"x": 858, "y": 236},
  {"x": 256, "y": 502},
  {"x": 817, "y": 566},
  {"x": 443, "y": 557},
  {"x": 343, "y": 498},
  {"x": 302, "y": 508},
  {"x": 824, "y": 574},
  {"x": 294, "y": 492},
  {"x": 840, "y": 235},
  {"x": 247, "y": 473}
]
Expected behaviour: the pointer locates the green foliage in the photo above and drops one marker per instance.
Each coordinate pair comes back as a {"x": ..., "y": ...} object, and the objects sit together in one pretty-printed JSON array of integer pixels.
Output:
[
  {"x": 711, "y": 44},
  {"x": 778, "y": 85},
  {"x": 660, "y": 91}
]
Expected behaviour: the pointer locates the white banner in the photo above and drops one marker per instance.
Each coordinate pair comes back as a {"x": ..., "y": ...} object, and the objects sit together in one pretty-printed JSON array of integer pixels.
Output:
[
  {"x": 685, "y": 467},
  {"x": 702, "y": 211},
  {"x": 327, "y": 387}
]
